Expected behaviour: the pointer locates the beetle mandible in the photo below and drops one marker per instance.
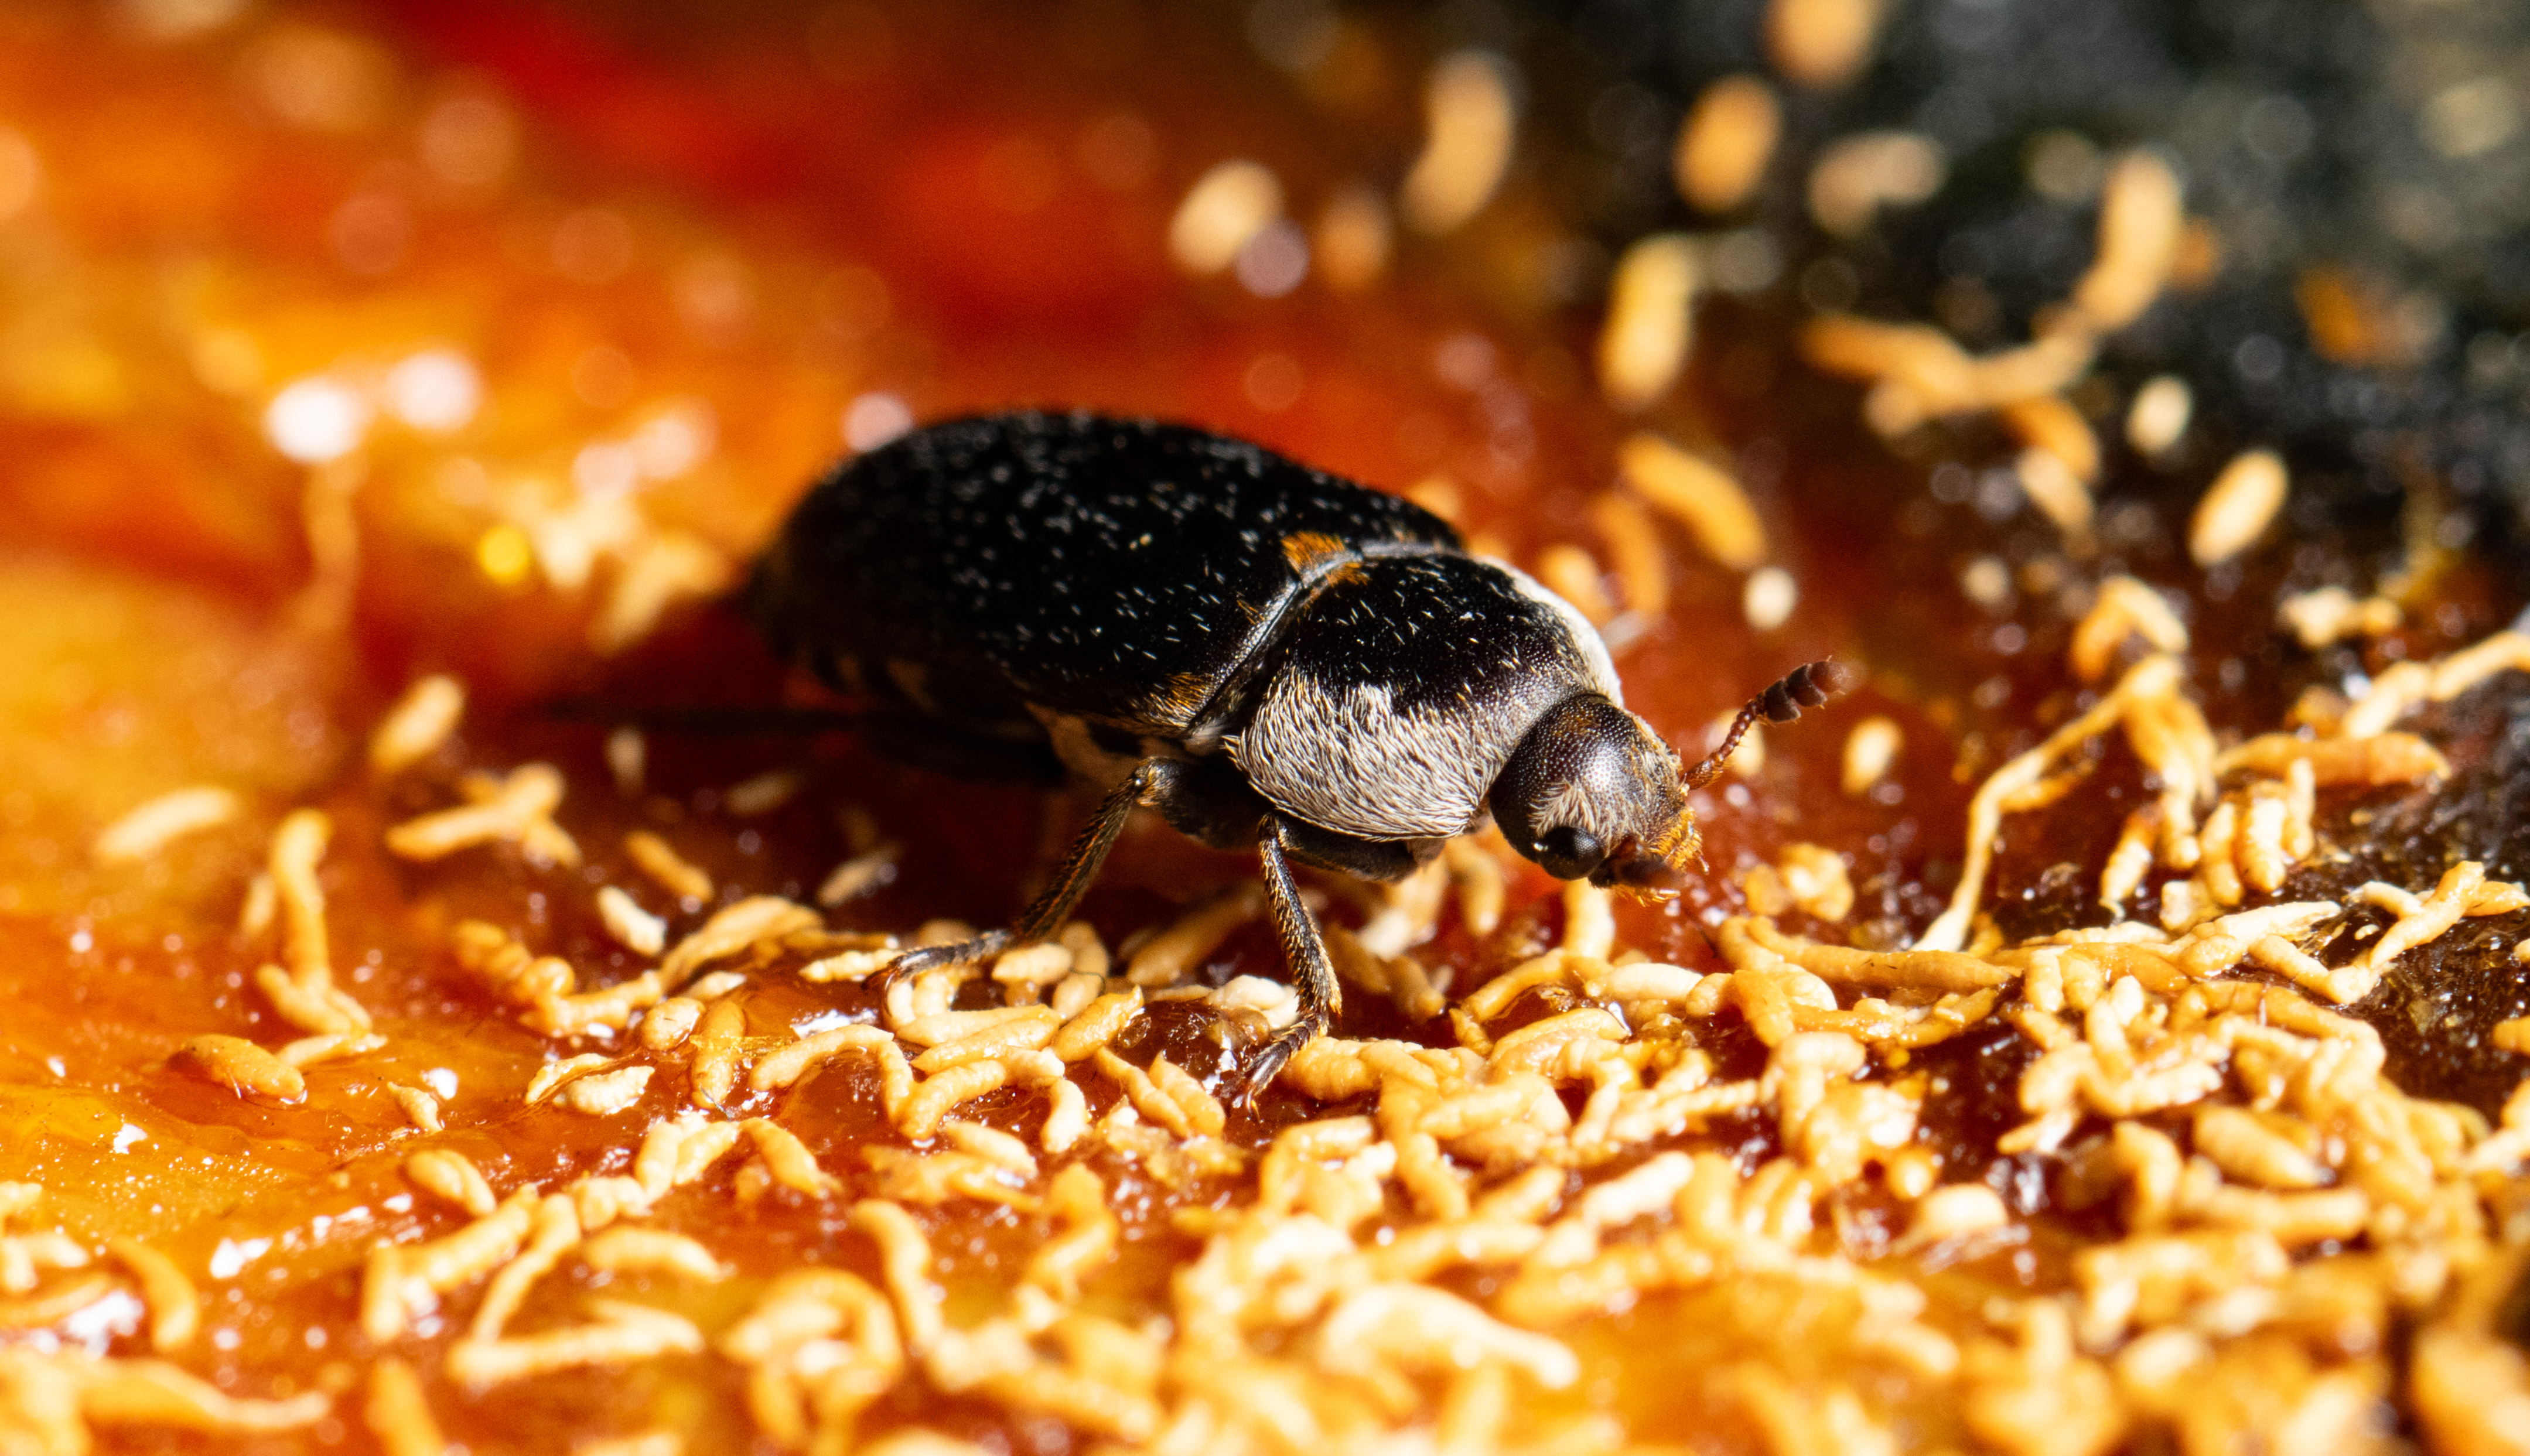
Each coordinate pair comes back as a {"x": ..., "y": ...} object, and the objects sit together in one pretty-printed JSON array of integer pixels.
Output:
[{"x": 1271, "y": 657}]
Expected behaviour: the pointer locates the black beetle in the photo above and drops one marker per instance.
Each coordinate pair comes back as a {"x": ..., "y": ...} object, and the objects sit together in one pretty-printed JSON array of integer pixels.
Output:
[{"x": 1268, "y": 655}]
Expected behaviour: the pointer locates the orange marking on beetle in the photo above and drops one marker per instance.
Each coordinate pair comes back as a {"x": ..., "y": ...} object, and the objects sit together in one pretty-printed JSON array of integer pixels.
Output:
[
  {"x": 1183, "y": 698},
  {"x": 1311, "y": 551}
]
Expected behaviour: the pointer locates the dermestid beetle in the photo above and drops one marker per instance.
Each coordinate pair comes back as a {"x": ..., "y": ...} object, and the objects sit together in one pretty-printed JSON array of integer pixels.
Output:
[{"x": 1268, "y": 655}]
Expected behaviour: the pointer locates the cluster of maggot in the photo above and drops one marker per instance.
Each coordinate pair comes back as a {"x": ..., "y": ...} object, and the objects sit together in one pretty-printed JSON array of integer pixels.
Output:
[{"x": 2279, "y": 1204}]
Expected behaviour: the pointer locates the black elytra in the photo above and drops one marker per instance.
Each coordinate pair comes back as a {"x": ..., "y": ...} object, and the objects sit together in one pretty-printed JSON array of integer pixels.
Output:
[{"x": 1271, "y": 657}]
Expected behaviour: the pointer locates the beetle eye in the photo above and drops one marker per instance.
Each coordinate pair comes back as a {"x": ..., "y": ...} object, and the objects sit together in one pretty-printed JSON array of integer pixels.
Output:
[{"x": 1569, "y": 852}]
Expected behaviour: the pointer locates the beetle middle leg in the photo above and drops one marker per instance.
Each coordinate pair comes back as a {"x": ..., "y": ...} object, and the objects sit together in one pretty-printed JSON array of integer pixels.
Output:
[
  {"x": 1304, "y": 951},
  {"x": 1071, "y": 877}
]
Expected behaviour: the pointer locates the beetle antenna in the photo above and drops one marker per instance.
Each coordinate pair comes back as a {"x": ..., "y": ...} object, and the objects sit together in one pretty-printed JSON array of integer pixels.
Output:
[
  {"x": 1809, "y": 686},
  {"x": 1711, "y": 767}
]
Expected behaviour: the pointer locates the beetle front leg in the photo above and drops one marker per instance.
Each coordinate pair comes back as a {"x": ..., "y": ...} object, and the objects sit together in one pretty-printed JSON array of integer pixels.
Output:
[
  {"x": 1046, "y": 914},
  {"x": 1305, "y": 950}
]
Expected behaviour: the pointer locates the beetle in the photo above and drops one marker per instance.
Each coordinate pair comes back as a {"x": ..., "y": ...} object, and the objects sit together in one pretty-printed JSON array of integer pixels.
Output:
[{"x": 1273, "y": 658}]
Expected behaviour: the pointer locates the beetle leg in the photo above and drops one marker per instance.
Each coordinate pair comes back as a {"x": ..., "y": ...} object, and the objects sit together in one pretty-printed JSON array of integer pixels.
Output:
[
  {"x": 1321, "y": 998},
  {"x": 1046, "y": 914}
]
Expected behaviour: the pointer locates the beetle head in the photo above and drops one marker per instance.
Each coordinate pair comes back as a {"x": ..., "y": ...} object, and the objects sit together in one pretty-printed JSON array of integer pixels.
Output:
[{"x": 1592, "y": 791}]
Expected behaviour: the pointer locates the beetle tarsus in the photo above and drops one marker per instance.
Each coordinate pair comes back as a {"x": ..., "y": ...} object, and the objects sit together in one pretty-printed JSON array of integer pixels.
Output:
[
  {"x": 1809, "y": 686},
  {"x": 939, "y": 957},
  {"x": 1274, "y": 1055},
  {"x": 1306, "y": 951},
  {"x": 1045, "y": 915}
]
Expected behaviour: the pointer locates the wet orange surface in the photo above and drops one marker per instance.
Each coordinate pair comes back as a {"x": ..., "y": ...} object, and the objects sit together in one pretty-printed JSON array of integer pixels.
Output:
[
  {"x": 681, "y": 262},
  {"x": 920, "y": 209}
]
